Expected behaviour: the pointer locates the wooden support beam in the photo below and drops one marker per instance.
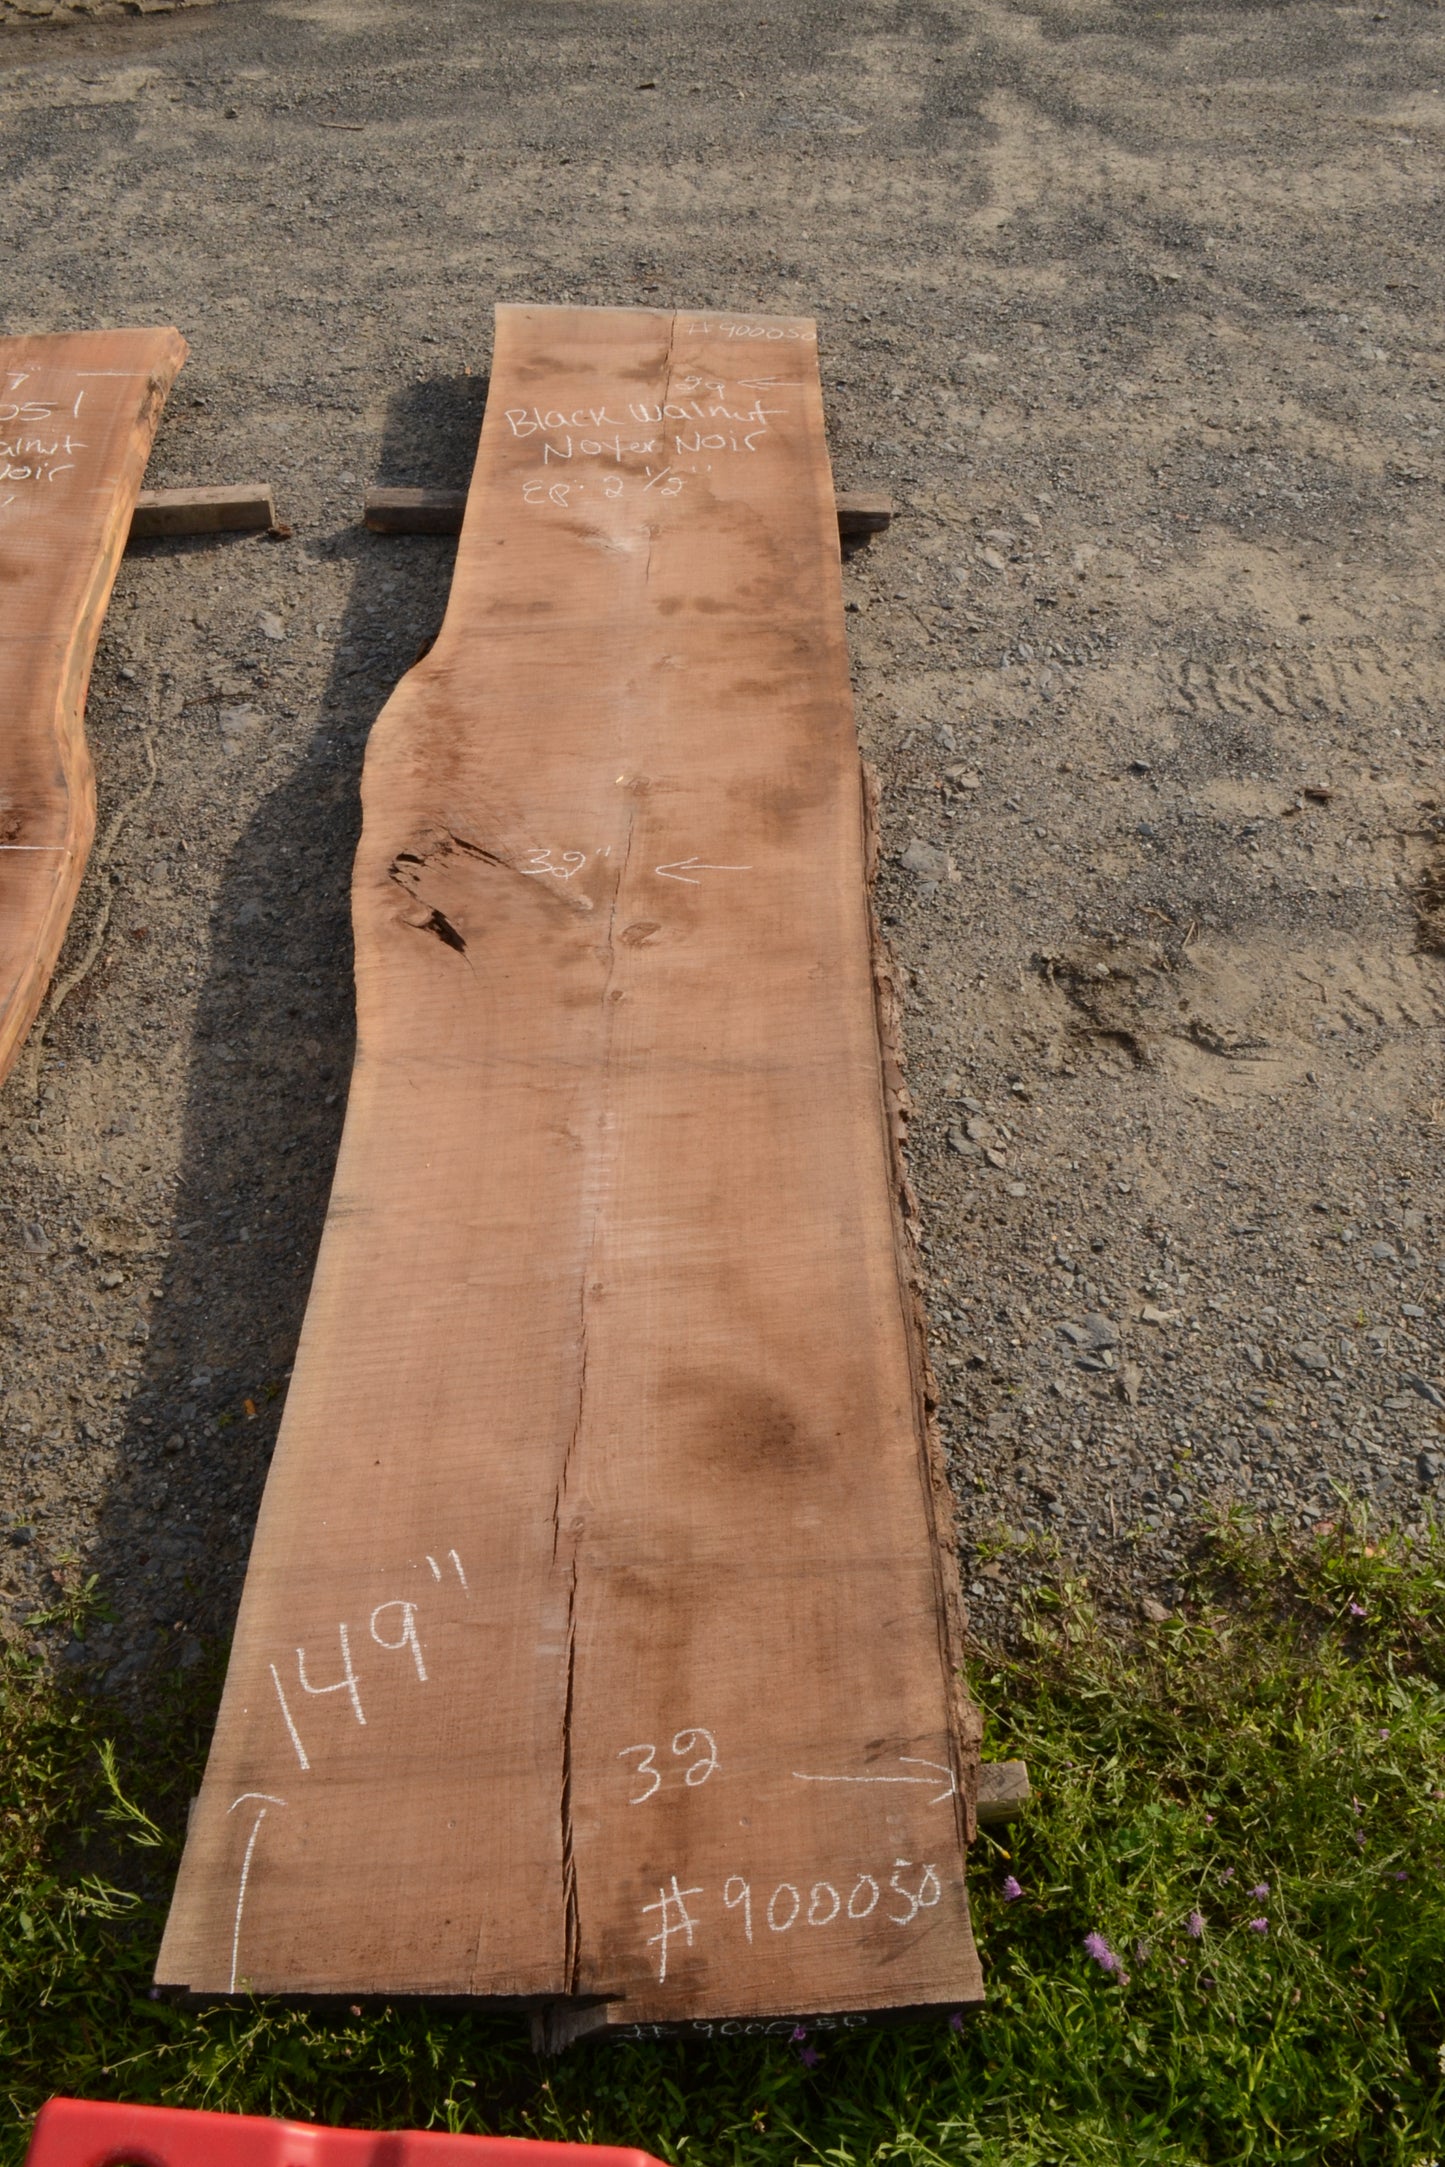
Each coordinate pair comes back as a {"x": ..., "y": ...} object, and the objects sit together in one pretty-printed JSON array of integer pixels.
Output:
[
  {"x": 415, "y": 511},
  {"x": 439, "y": 511},
  {"x": 1003, "y": 1790},
  {"x": 861, "y": 512},
  {"x": 248, "y": 507},
  {"x": 601, "y": 1641},
  {"x": 77, "y": 415}
]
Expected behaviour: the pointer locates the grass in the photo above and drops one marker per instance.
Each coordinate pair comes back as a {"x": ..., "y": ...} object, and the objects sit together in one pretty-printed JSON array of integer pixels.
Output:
[{"x": 1275, "y": 1753}]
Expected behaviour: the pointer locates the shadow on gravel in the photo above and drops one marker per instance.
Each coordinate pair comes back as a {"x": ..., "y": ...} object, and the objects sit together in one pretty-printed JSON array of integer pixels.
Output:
[{"x": 267, "y": 1092}]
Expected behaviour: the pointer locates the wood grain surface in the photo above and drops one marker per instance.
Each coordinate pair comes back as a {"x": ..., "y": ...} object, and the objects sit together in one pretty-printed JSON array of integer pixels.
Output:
[
  {"x": 77, "y": 415},
  {"x": 599, "y": 1646}
]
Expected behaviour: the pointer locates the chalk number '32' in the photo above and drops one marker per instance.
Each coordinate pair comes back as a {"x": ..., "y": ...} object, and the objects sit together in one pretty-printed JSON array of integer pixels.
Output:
[{"x": 684, "y": 1744}]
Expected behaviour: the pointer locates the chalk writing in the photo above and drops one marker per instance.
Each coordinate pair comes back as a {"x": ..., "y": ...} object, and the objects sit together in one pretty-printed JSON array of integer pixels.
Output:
[
  {"x": 408, "y": 1633},
  {"x": 779, "y": 1923},
  {"x": 862, "y": 1911},
  {"x": 919, "y": 1899},
  {"x": 392, "y": 1625},
  {"x": 34, "y": 447},
  {"x": 346, "y": 1683},
  {"x": 34, "y": 412},
  {"x": 561, "y": 865},
  {"x": 688, "y": 870},
  {"x": 819, "y": 1893},
  {"x": 33, "y": 459},
  {"x": 269, "y": 1799},
  {"x": 777, "y": 333},
  {"x": 706, "y": 1765},
  {"x": 802, "y": 1904},
  {"x": 684, "y": 1743},
  {"x": 706, "y": 418},
  {"x": 675, "y": 1919},
  {"x": 743, "y": 1897},
  {"x": 527, "y": 421},
  {"x": 532, "y": 420},
  {"x": 906, "y": 1760},
  {"x": 611, "y": 486},
  {"x": 436, "y": 1571},
  {"x": 716, "y": 440},
  {"x": 743, "y": 2027},
  {"x": 547, "y": 861},
  {"x": 295, "y": 1735}
]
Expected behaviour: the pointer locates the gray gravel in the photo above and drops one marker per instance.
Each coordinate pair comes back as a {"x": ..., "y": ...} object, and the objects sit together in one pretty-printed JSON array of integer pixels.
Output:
[{"x": 1140, "y": 321}]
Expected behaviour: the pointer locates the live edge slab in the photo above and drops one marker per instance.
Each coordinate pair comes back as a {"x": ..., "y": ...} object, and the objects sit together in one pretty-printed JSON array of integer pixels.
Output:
[
  {"x": 600, "y": 1645},
  {"x": 77, "y": 415}
]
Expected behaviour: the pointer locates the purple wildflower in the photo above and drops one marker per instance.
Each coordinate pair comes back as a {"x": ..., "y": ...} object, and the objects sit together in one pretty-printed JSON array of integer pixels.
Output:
[
  {"x": 798, "y": 2034},
  {"x": 1228, "y": 1874},
  {"x": 1196, "y": 1926},
  {"x": 1261, "y": 1888},
  {"x": 1096, "y": 1946},
  {"x": 1209, "y": 1820},
  {"x": 1259, "y": 1926},
  {"x": 1357, "y": 1610},
  {"x": 955, "y": 2022},
  {"x": 1402, "y": 1877},
  {"x": 809, "y": 2057},
  {"x": 1012, "y": 1890}
]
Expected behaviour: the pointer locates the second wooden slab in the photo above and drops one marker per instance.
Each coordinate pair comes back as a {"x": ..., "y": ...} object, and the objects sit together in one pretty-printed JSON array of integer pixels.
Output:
[
  {"x": 600, "y": 1640},
  {"x": 77, "y": 414}
]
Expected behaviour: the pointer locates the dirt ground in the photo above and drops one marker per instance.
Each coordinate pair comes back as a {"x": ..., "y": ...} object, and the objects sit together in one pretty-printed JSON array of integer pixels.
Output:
[{"x": 1137, "y": 312}]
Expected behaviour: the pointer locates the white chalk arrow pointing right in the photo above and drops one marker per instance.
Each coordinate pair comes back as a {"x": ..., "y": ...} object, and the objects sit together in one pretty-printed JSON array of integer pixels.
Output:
[{"x": 906, "y": 1760}]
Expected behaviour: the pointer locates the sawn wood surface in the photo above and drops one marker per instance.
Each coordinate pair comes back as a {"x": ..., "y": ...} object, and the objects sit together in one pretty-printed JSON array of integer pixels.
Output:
[
  {"x": 77, "y": 415},
  {"x": 600, "y": 1635}
]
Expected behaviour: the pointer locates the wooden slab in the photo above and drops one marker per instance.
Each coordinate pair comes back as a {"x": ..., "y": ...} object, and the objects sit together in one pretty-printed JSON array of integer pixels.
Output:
[
  {"x": 599, "y": 1644},
  {"x": 77, "y": 415}
]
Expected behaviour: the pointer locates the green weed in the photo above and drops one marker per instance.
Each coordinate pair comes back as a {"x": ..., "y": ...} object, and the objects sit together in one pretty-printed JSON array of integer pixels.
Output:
[{"x": 1240, "y": 1813}]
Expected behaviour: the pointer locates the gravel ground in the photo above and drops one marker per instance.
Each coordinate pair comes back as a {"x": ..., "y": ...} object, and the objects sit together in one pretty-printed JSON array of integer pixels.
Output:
[
  {"x": 25, "y": 14},
  {"x": 1138, "y": 315}
]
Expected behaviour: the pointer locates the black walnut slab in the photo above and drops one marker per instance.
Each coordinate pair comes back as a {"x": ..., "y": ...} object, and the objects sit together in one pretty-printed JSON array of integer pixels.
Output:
[
  {"x": 78, "y": 412},
  {"x": 599, "y": 1647}
]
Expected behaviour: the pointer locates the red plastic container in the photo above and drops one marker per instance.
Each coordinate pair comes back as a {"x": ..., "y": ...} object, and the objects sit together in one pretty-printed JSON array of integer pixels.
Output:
[{"x": 92, "y": 2133}]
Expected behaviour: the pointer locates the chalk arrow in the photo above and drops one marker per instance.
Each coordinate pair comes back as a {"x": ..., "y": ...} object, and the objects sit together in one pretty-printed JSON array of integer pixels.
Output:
[
  {"x": 686, "y": 869},
  {"x": 905, "y": 1760}
]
